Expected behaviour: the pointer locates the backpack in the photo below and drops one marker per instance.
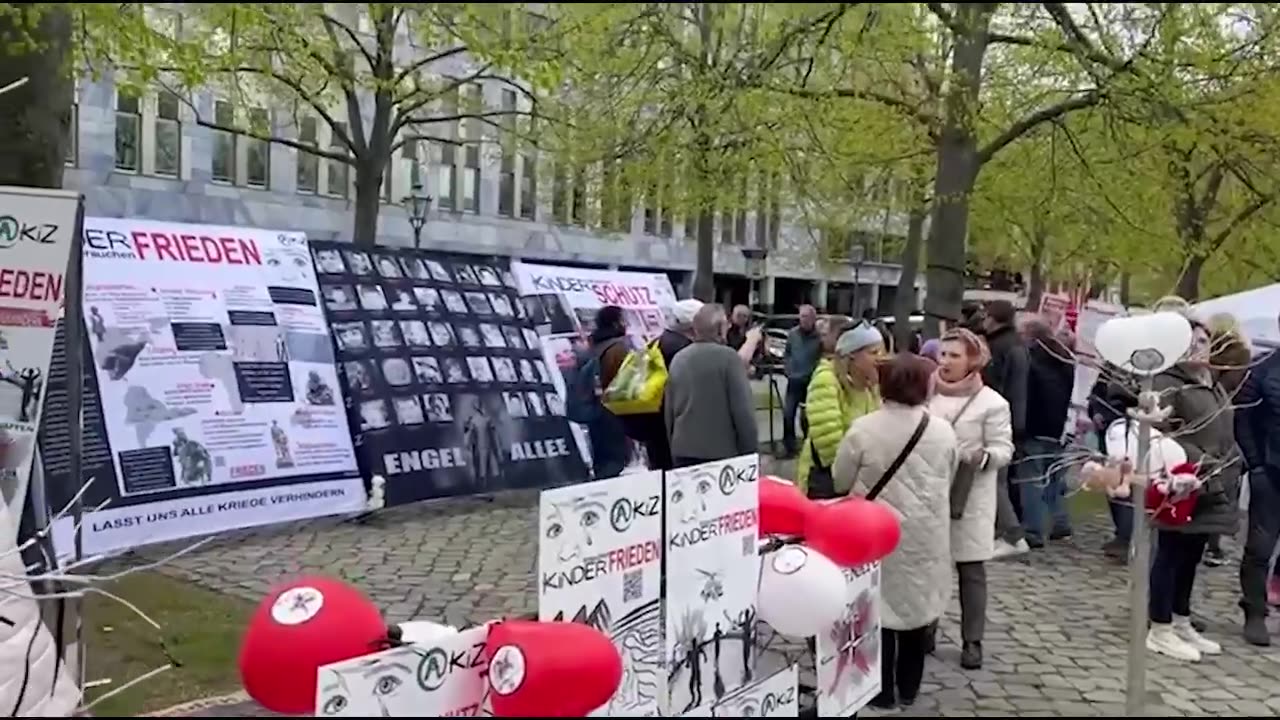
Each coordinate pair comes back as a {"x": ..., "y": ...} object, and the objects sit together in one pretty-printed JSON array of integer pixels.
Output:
[{"x": 583, "y": 388}]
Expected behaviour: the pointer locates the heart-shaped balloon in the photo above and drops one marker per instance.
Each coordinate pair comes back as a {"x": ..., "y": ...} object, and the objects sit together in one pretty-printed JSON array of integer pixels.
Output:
[
  {"x": 550, "y": 669},
  {"x": 853, "y": 531},
  {"x": 783, "y": 507}
]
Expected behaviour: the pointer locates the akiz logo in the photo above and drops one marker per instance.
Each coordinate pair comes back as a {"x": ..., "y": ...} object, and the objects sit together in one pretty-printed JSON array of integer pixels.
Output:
[{"x": 13, "y": 231}]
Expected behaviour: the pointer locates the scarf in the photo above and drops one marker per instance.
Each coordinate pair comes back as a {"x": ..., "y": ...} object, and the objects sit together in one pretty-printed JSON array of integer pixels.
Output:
[{"x": 964, "y": 387}]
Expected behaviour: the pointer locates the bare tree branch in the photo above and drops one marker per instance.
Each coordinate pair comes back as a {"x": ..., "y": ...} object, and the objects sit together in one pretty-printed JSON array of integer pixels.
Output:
[
  {"x": 1029, "y": 122},
  {"x": 1258, "y": 205},
  {"x": 331, "y": 22},
  {"x": 412, "y": 68}
]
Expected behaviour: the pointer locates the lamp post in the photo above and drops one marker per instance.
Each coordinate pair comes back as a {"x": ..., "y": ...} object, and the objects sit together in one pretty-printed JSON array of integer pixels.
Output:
[
  {"x": 1145, "y": 346},
  {"x": 417, "y": 204},
  {"x": 857, "y": 254},
  {"x": 755, "y": 261}
]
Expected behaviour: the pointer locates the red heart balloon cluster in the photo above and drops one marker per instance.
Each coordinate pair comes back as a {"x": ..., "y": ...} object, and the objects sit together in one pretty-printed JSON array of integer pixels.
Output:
[
  {"x": 531, "y": 664},
  {"x": 851, "y": 531}
]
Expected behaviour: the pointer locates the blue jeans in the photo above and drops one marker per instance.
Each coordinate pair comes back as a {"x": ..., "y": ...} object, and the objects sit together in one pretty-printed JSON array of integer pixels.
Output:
[{"x": 1042, "y": 489}]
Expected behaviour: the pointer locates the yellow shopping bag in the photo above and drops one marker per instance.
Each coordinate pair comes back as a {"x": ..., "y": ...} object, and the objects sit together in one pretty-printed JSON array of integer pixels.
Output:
[{"x": 637, "y": 388}]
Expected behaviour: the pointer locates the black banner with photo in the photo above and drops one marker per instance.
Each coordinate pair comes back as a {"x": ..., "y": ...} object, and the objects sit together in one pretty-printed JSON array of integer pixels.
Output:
[{"x": 445, "y": 381}]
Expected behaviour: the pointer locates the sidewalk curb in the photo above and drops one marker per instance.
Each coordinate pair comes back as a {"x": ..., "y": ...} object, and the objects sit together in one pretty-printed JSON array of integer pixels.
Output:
[{"x": 189, "y": 707}]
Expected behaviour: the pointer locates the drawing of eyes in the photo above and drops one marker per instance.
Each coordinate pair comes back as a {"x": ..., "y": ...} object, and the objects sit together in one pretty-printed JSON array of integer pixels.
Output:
[
  {"x": 387, "y": 684},
  {"x": 704, "y": 486},
  {"x": 334, "y": 705},
  {"x": 590, "y": 518},
  {"x": 677, "y": 495},
  {"x": 554, "y": 530}
]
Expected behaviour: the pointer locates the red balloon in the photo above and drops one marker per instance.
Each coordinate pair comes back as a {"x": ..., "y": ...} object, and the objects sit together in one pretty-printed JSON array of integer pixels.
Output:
[
  {"x": 853, "y": 531},
  {"x": 550, "y": 669},
  {"x": 298, "y": 627},
  {"x": 783, "y": 507}
]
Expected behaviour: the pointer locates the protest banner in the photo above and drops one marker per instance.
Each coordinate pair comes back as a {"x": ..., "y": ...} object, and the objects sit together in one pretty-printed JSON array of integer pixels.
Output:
[
  {"x": 449, "y": 391},
  {"x": 562, "y": 302},
  {"x": 213, "y": 403},
  {"x": 600, "y": 563},
  {"x": 36, "y": 233},
  {"x": 713, "y": 574},
  {"x": 777, "y": 695},
  {"x": 848, "y": 653}
]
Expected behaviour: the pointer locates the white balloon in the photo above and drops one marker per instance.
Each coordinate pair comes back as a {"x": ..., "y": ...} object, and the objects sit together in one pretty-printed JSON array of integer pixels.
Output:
[
  {"x": 424, "y": 631},
  {"x": 1146, "y": 344},
  {"x": 801, "y": 591}
]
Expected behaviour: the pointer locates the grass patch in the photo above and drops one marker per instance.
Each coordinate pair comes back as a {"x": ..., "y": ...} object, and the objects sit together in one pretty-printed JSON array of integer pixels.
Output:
[
  {"x": 201, "y": 630},
  {"x": 1086, "y": 505}
]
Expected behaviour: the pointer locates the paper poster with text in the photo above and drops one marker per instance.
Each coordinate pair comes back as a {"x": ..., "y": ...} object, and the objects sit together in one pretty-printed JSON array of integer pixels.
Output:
[
  {"x": 600, "y": 563},
  {"x": 445, "y": 678},
  {"x": 215, "y": 376},
  {"x": 449, "y": 391},
  {"x": 562, "y": 303},
  {"x": 36, "y": 231},
  {"x": 848, "y": 653},
  {"x": 777, "y": 695},
  {"x": 713, "y": 573}
]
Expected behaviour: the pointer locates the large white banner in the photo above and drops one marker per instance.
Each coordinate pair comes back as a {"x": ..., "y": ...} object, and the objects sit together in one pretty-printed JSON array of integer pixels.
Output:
[
  {"x": 36, "y": 230},
  {"x": 215, "y": 376},
  {"x": 600, "y": 563},
  {"x": 848, "y": 653},
  {"x": 713, "y": 575},
  {"x": 562, "y": 302}
]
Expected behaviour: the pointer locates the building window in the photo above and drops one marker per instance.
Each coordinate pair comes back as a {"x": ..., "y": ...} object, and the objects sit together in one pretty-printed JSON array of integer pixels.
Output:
[
  {"x": 128, "y": 131},
  {"x": 224, "y": 143},
  {"x": 507, "y": 172},
  {"x": 73, "y": 135},
  {"x": 168, "y": 135},
  {"x": 410, "y": 154},
  {"x": 308, "y": 164},
  {"x": 258, "y": 152},
  {"x": 529, "y": 186},
  {"x": 338, "y": 176},
  {"x": 471, "y": 158},
  {"x": 447, "y": 182}
]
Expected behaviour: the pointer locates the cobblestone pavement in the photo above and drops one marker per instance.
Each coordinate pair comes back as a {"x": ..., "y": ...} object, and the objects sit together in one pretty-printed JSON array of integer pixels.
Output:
[{"x": 1056, "y": 623}]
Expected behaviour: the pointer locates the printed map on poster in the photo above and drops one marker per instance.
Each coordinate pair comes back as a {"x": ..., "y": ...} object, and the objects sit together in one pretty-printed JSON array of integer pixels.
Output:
[
  {"x": 599, "y": 563},
  {"x": 216, "y": 378},
  {"x": 775, "y": 696},
  {"x": 443, "y": 679},
  {"x": 36, "y": 229},
  {"x": 848, "y": 653},
  {"x": 713, "y": 572}
]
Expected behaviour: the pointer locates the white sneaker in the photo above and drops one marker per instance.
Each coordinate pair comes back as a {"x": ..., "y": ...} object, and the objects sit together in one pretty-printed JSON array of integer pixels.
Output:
[
  {"x": 1163, "y": 639},
  {"x": 1005, "y": 549},
  {"x": 1183, "y": 629}
]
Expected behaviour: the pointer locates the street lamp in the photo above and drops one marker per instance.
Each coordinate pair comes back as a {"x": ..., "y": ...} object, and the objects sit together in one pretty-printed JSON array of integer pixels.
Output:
[
  {"x": 1145, "y": 346},
  {"x": 417, "y": 203},
  {"x": 755, "y": 261},
  {"x": 857, "y": 254}
]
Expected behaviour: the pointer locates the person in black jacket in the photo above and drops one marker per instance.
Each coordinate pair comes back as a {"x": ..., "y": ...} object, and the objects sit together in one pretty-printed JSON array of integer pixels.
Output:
[
  {"x": 1256, "y": 430},
  {"x": 1007, "y": 375},
  {"x": 1110, "y": 400},
  {"x": 1050, "y": 377}
]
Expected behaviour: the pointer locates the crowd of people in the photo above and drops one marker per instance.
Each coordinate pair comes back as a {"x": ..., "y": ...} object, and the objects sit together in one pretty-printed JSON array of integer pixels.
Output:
[{"x": 967, "y": 437}]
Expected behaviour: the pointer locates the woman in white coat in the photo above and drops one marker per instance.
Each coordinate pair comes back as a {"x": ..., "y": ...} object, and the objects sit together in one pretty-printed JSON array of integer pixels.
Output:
[
  {"x": 909, "y": 458},
  {"x": 984, "y": 436}
]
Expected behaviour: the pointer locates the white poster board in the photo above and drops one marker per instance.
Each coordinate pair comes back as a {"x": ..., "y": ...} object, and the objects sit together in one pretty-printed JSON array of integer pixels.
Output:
[
  {"x": 215, "y": 373},
  {"x": 562, "y": 302},
  {"x": 600, "y": 563},
  {"x": 444, "y": 678},
  {"x": 713, "y": 575},
  {"x": 848, "y": 653},
  {"x": 36, "y": 230},
  {"x": 774, "y": 696}
]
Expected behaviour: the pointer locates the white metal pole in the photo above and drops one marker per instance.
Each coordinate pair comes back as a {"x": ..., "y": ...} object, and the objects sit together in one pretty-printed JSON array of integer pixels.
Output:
[{"x": 1139, "y": 563}]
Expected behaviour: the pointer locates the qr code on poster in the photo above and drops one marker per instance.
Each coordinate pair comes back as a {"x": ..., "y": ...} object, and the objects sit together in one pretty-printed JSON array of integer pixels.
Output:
[
  {"x": 749, "y": 545},
  {"x": 632, "y": 586}
]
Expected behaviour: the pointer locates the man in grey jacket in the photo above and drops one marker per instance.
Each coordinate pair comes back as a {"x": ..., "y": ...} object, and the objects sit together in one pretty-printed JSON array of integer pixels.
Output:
[
  {"x": 803, "y": 351},
  {"x": 710, "y": 413}
]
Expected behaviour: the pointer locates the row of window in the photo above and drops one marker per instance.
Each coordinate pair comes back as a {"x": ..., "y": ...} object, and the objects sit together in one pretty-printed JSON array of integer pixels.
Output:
[{"x": 151, "y": 143}]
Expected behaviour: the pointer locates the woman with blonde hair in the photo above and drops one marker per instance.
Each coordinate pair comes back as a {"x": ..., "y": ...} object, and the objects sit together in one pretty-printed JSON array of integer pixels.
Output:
[
  {"x": 981, "y": 420},
  {"x": 844, "y": 387}
]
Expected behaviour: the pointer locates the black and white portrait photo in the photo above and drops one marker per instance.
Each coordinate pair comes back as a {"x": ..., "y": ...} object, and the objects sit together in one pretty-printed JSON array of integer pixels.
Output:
[
  {"x": 397, "y": 372},
  {"x": 534, "y": 401},
  {"x": 339, "y": 297},
  {"x": 468, "y": 335},
  {"x": 374, "y": 415},
  {"x": 555, "y": 406},
  {"x": 414, "y": 268},
  {"x": 480, "y": 370},
  {"x": 478, "y": 302},
  {"x": 351, "y": 337},
  {"x": 527, "y": 373},
  {"x": 428, "y": 298},
  {"x": 515, "y": 404},
  {"x": 543, "y": 374},
  {"x": 330, "y": 262},
  {"x": 359, "y": 375},
  {"x": 438, "y": 271},
  {"x": 515, "y": 339},
  {"x": 492, "y": 336},
  {"x": 388, "y": 267},
  {"x": 508, "y": 279},
  {"x": 441, "y": 334},
  {"x": 465, "y": 275},
  {"x": 504, "y": 370},
  {"x": 403, "y": 300},
  {"x": 372, "y": 298},
  {"x": 385, "y": 333},
  {"x": 488, "y": 276},
  {"x": 530, "y": 338},
  {"x": 358, "y": 262},
  {"x": 438, "y": 407},
  {"x": 408, "y": 410},
  {"x": 415, "y": 333},
  {"x": 455, "y": 371},
  {"x": 427, "y": 370},
  {"x": 501, "y": 304},
  {"x": 453, "y": 302}
]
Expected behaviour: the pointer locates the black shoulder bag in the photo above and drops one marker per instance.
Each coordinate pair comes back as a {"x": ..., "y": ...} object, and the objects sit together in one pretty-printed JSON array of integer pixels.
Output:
[{"x": 902, "y": 457}]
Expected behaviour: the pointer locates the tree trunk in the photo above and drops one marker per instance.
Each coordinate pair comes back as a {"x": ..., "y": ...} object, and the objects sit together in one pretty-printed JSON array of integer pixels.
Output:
[
  {"x": 37, "y": 116},
  {"x": 1188, "y": 287},
  {"x": 704, "y": 279},
  {"x": 364, "y": 232},
  {"x": 1126, "y": 287},
  {"x": 956, "y": 169},
  {"x": 904, "y": 300},
  {"x": 1035, "y": 284}
]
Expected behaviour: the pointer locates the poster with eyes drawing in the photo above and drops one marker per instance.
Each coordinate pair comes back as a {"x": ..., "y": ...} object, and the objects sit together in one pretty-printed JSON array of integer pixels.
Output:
[
  {"x": 775, "y": 696},
  {"x": 848, "y": 653},
  {"x": 713, "y": 571},
  {"x": 600, "y": 563},
  {"x": 443, "y": 679}
]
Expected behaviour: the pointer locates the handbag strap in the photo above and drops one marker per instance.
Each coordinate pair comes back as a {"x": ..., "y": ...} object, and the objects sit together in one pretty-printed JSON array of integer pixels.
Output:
[
  {"x": 902, "y": 457},
  {"x": 964, "y": 407}
]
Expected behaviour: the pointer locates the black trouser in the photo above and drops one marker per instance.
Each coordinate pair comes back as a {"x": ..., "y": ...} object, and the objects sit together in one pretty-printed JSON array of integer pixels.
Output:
[
  {"x": 902, "y": 663},
  {"x": 797, "y": 390},
  {"x": 1173, "y": 574},
  {"x": 973, "y": 600},
  {"x": 1264, "y": 531}
]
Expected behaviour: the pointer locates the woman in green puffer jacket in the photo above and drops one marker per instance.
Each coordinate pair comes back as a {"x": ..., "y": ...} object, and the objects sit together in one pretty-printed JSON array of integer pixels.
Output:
[{"x": 843, "y": 389}]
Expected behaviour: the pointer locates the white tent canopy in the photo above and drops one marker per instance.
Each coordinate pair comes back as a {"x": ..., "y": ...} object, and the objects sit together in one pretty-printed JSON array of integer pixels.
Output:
[{"x": 1258, "y": 311}]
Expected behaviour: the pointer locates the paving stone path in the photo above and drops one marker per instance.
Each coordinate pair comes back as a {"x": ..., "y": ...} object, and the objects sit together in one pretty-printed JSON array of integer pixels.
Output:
[{"x": 1057, "y": 619}]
